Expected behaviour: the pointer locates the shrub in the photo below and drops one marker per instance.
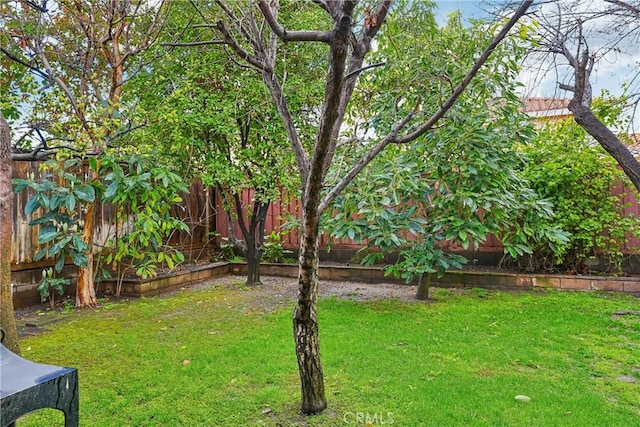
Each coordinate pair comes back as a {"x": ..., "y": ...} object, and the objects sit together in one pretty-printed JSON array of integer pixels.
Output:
[
  {"x": 578, "y": 176},
  {"x": 274, "y": 250}
]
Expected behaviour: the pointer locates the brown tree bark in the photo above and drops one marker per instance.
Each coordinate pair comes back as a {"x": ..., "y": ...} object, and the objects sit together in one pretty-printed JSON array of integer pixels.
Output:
[
  {"x": 305, "y": 318},
  {"x": 305, "y": 321},
  {"x": 253, "y": 236},
  {"x": 85, "y": 290},
  {"x": 607, "y": 139},
  {"x": 424, "y": 284},
  {"x": 7, "y": 315}
]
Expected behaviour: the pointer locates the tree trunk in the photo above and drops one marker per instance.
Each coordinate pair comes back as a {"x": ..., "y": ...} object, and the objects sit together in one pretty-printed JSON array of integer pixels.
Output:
[
  {"x": 253, "y": 236},
  {"x": 253, "y": 255},
  {"x": 7, "y": 315},
  {"x": 423, "y": 287},
  {"x": 305, "y": 322},
  {"x": 607, "y": 139},
  {"x": 85, "y": 291}
]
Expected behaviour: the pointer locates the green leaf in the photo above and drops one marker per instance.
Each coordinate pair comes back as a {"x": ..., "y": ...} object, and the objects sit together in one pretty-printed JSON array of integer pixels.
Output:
[
  {"x": 71, "y": 203},
  {"x": 59, "y": 263},
  {"x": 111, "y": 191},
  {"x": 86, "y": 193},
  {"x": 68, "y": 164},
  {"x": 79, "y": 244},
  {"x": 79, "y": 259},
  {"x": 20, "y": 184},
  {"x": 170, "y": 263},
  {"x": 40, "y": 254},
  {"x": 351, "y": 233},
  {"x": 93, "y": 164},
  {"x": 47, "y": 234},
  {"x": 43, "y": 219},
  {"x": 32, "y": 205}
]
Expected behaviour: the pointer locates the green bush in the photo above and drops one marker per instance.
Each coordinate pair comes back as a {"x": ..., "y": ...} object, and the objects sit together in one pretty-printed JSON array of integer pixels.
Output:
[
  {"x": 573, "y": 172},
  {"x": 49, "y": 285},
  {"x": 274, "y": 250}
]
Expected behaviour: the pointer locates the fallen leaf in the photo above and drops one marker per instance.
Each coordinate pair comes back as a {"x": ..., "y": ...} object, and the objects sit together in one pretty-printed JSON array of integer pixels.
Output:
[{"x": 185, "y": 362}]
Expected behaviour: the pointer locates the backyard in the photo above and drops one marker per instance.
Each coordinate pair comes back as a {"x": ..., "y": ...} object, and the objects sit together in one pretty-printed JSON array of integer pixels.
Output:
[
  {"x": 221, "y": 354},
  {"x": 144, "y": 137}
]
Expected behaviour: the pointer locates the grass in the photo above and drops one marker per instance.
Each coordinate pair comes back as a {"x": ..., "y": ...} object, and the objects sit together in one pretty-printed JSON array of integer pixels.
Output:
[{"x": 214, "y": 357}]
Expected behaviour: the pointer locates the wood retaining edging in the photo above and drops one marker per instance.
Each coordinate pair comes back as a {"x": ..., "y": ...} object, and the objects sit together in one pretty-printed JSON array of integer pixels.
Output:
[
  {"x": 25, "y": 294},
  {"x": 167, "y": 282},
  {"x": 462, "y": 278}
]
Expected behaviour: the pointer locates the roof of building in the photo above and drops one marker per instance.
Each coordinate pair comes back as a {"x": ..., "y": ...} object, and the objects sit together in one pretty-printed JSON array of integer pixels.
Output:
[
  {"x": 634, "y": 148},
  {"x": 546, "y": 107},
  {"x": 545, "y": 104}
]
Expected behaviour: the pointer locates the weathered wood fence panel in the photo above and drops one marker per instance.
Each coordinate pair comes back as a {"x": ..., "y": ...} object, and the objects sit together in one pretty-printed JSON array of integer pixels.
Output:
[
  {"x": 278, "y": 215},
  {"x": 280, "y": 211},
  {"x": 203, "y": 211},
  {"x": 197, "y": 210}
]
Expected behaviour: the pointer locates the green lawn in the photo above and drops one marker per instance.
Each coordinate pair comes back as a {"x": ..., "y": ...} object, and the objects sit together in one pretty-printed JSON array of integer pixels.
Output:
[{"x": 214, "y": 358}]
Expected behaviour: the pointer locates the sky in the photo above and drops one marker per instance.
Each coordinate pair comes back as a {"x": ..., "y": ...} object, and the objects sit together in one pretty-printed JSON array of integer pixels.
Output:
[
  {"x": 610, "y": 72},
  {"x": 470, "y": 9}
]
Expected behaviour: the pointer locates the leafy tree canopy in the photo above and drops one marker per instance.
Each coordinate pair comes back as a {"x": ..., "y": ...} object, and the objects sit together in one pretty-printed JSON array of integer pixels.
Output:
[{"x": 459, "y": 182}]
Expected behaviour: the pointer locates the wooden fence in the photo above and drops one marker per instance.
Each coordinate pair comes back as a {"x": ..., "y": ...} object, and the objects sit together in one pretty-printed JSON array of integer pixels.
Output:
[
  {"x": 279, "y": 212},
  {"x": 202, "y": 210},
  {"x": 196, "y": 209}
]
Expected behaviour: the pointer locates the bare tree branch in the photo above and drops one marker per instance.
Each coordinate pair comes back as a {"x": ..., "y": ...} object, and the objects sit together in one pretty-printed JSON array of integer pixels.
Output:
[
  {"x": 569, "y": 88},
  {"x": 42, "y": 152},
  {"x": 191, "y": 44},
  {"x": 625, "y": 5},
  {"x": 281, "y": 105},
  {"x": 368, "y": 67},
  {"x": 323, "y": 5},
  {"x": 33, "y": 4},
  {"x": 299, "y": 36},
  {"x": 24, "y": 64},
  {"x": 607, "y": 139},
  {"x": 231, "y": 42}
]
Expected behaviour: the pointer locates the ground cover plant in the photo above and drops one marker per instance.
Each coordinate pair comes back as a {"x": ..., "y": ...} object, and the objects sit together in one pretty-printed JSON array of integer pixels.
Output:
[{"x": 223, "y": 356}]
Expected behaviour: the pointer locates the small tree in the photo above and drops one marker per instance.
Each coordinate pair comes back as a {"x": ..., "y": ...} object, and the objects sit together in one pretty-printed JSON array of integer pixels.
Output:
[
  {"x": 345, "y": 30},
  {"x": 143, "y": 194},
  {"x": 218, "y": 125},
  {"x": 416, "y": 200}
]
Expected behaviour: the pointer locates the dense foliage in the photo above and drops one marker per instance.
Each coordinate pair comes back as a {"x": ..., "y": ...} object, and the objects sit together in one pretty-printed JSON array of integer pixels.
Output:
[
  {"x": 460, "y": 182},
  {"x": 59, "y": 192},
  {"x": 142, "y": 194},
  {"x": 586, "y": 189},
  {"x": 215, "y": 122}
]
